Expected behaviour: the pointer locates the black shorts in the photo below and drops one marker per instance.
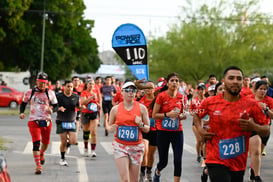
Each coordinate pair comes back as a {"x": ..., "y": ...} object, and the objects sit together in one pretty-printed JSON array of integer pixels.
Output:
[
  {"x": 106, "y": 107},
  {"x": 60, "y": 129},
  {"x": 86, "y": 117},
  {"x": 218, "y": 172},
  {"x": 265, "y": 139},
  {"x": 150, "y": 136}
]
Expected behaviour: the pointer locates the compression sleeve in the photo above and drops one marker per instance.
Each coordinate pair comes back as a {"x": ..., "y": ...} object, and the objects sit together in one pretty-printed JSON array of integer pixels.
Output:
[
  {"x": 55, "y": 107},
  {"x": 23, "y": 107}
]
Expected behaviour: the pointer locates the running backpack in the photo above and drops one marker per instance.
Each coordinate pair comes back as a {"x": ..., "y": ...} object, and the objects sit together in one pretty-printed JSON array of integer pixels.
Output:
[{"x": 34, "y": 90}]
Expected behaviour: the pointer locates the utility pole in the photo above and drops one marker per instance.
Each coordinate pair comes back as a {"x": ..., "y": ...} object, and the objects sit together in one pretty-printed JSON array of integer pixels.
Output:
[{"x": 43, "y": 41}]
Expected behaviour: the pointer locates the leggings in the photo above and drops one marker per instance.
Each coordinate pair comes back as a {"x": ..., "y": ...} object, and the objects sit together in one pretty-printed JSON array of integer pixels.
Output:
[
  {"x": 221, "y": 173},
  {"x": 163, "y": 140}
]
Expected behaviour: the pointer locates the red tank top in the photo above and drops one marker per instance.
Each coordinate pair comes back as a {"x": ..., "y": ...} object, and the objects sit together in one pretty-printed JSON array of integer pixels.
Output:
[{"x": 128, "y": 132}]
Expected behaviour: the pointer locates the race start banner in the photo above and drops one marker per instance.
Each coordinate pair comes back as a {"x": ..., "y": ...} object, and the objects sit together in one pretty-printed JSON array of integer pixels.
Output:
[{"x": 130, "y": 44}]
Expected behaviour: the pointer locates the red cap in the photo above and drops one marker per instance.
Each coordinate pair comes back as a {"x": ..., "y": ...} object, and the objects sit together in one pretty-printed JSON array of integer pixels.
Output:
[{"x": 161, "y": 79}]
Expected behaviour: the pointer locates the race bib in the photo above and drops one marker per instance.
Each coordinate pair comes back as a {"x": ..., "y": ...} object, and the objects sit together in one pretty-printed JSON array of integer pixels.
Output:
[
  {"x": 128, "y": 133},
  {"x": 107, "y": 97},
  {"x": 152, "y": 122},
  {"x": 231, "y": 148},
  {"x": 92, "y": 107},
  {"x": 170, "y": 123},
  {"x": 68, "y": 125}
]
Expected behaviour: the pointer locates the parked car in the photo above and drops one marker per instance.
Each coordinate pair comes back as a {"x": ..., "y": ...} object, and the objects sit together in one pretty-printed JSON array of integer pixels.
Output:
[
  {"x": 10, "y": 97},
  {"x": 4, "y": 175}
]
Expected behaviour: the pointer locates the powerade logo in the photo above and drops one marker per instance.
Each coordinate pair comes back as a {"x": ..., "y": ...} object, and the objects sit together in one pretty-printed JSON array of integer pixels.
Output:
[{"x": 128, "y": 39}]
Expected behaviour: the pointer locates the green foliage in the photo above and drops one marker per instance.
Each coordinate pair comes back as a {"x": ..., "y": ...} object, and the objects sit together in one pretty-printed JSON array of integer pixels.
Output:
[
  {"x": 68, "y": 43},
  {"x": 207, "y": 41}
]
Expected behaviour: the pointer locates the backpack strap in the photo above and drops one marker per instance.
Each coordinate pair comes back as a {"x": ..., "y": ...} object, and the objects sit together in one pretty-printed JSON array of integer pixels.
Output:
[{"x": 34, "y": 90}]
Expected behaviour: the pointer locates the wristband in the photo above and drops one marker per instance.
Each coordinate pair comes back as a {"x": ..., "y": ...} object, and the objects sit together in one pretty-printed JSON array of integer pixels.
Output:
[
  {"x": 142, "y": 125},
  {"x": 165, "y": 114}
]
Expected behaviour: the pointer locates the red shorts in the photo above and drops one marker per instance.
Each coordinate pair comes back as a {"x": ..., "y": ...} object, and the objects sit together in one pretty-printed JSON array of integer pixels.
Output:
[{"x": 36, "y": 132}]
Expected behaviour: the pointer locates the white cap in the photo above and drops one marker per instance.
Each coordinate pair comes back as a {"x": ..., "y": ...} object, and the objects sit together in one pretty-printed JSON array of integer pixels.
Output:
[
  {"x": 128, "y": 84},
  {"x": 255, "y": 80},
  {"x": 211, "y": 88}
]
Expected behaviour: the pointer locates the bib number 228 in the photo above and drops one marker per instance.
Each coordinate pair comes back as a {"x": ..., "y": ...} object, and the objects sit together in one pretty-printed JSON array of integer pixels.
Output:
[{"x": 231, "y": 148}]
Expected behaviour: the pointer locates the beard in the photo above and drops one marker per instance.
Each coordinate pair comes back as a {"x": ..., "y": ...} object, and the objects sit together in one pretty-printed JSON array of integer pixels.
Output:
[{"x": 233, "y": 92}]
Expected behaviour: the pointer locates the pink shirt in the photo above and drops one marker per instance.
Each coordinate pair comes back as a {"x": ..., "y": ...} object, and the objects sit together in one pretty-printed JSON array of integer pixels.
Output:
[{"x": 39, "y": 104}]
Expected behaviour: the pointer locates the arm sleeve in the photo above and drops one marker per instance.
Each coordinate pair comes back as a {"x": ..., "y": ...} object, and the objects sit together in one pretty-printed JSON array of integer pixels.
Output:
[
  {"x": 55, "y": 107},
  {"x": 23, "y": 107}
]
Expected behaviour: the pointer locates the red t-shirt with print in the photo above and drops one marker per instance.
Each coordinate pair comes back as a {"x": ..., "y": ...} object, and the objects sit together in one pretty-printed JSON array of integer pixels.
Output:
[
  {"x": 147, "y": 103},
  {"x": 229, "y": 146},
  {"x": 167, "y": 104}
]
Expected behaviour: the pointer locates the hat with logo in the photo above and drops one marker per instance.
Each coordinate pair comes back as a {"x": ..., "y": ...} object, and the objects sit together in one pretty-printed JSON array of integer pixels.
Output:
[
  {"x": 202, "y": 86},
  {"x": 255, "y": 79},
  {"x": 128, "y": 84},
  {"x": 211, "y": 88},
  {"x": 42, "y": 77}
]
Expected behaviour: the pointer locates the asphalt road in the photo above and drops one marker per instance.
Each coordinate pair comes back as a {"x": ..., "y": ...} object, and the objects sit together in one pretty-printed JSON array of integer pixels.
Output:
[{"x": 101, "y": 169}]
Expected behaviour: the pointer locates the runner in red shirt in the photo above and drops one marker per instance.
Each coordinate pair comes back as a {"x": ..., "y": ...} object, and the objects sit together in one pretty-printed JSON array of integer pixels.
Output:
[
  {"x": 232, "y": 118},
  {"x": 255, "y": 152},
  {"x": 195, "y": 103},
  {"x": 246, "y": 87},
  {"x": 90, "y": 98},
  {"x": 150, "y": 137},
  {"x": 168, "y": 112}
]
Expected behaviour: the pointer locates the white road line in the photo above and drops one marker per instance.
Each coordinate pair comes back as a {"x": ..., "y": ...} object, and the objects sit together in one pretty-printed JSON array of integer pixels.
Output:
[
  {"x": 55, "y": 147},
  {"x": 189, "y": 148},
  {"x": 107, "y": 147},
  {"x": 28, "y": 148},
  {"x": 83, "y": 177},
  {"x": 81, "y": 147}
]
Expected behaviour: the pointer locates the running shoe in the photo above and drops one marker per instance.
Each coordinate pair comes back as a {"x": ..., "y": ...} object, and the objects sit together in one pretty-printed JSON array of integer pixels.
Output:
[
  {"x": 38, "y": 169},
  {"x": 86, "y": 152},
  {"x": 93, "y": 154},
  {"x": 258, "y": 179},
  {"x": 264, "y": 153},
  {"x": 63, "y": 162},
  {"x": 142, "y": 177},
  {"x": 106, "y": 132},
  {"x": 42, "y": 158},
  {"x": 204, "y": 176},
  {"x": 251, "y": 174},
  {"x": 149, "y": 176},
  {"x": 198, "y": 159},
  {"x": 156, "y": 177}
]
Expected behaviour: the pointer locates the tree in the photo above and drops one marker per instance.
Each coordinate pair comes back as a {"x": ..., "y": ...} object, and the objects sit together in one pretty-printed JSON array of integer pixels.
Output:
[
  {"x": 68, "y": 42},
  {"x": 207, "y": 41}
]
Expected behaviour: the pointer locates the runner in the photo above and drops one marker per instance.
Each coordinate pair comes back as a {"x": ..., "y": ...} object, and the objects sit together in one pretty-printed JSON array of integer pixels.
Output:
[
  {"x": 149, "y": 138},
  {"x": 66, "y": 118},
  {"x": 108, "y": 91},
  {"x": 195, "y": 103},
  {"x": 239, "y": 116},
  {"x": 128, "y": 119},
  {"x": 42, "y": 104},
  {"x": 246, "y": 87},
  {"x": 168, "y": 112},
  {"x": 255, "y": 152},
  {"x": 89, "y": 119}
]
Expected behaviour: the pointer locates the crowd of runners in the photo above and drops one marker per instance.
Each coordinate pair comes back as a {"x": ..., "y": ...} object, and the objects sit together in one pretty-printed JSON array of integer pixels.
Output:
[{"x": 231, "y": 120}]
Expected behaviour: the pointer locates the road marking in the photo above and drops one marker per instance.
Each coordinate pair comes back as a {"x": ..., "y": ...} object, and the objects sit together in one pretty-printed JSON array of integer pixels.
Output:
[
  {"x": 83, "y": 177},
  {"x": 189, "y": 148},
  {"x": 107, "y": 147},
  {"x": 55, "y": 147},
  {"x": 28, "y": 148}
]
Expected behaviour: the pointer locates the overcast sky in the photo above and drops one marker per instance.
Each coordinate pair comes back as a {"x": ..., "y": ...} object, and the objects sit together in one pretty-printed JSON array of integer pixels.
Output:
[{"x": 153, "y": 16}]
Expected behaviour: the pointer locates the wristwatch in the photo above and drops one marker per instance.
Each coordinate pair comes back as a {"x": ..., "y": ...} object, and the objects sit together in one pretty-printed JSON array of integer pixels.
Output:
[{"x": 165, "y": 114}]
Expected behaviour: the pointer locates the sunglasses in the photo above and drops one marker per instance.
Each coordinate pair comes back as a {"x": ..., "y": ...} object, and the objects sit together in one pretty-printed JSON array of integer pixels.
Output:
[{"x": 127, "y": 90}]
